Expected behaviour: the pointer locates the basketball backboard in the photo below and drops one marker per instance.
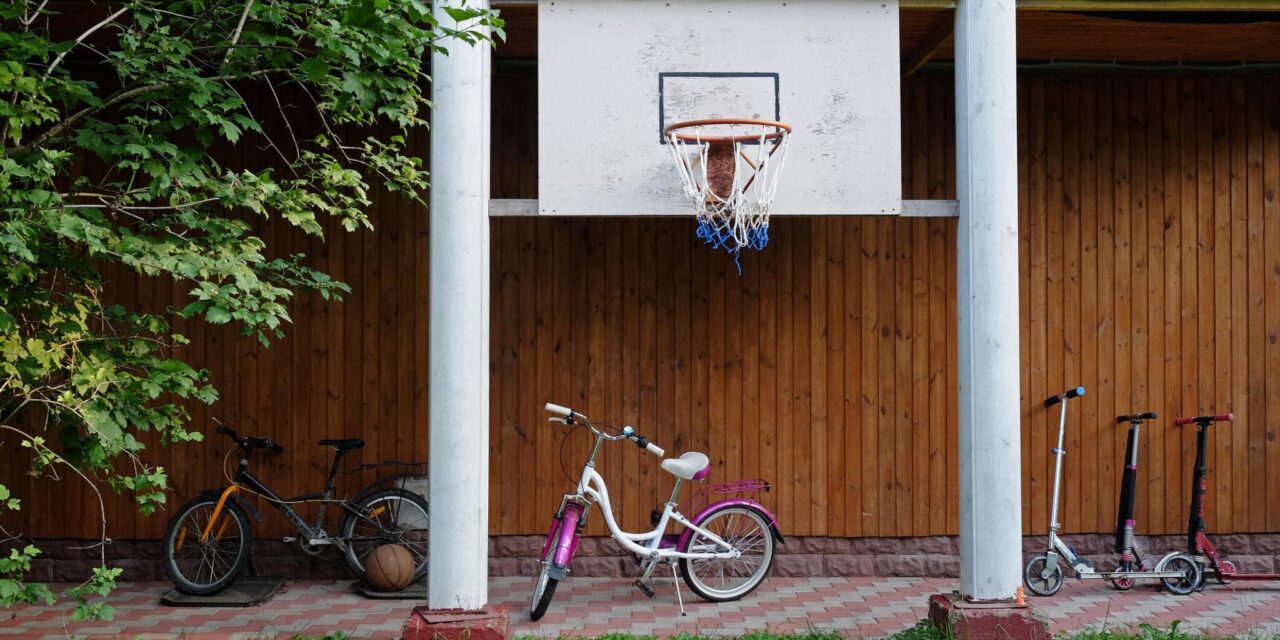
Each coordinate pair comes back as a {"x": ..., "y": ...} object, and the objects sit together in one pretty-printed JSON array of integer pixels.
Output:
[{"x": 613, "y": 73}]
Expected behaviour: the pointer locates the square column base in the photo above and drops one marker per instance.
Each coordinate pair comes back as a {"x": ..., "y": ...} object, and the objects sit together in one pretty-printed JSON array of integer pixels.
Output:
[
  {"x": 489, "y": 623},
  {"x": 987, "y": 621}
]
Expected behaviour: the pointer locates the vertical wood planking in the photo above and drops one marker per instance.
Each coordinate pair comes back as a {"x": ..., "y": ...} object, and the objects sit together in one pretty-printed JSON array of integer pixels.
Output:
[{"x": 1149, "y": 260}]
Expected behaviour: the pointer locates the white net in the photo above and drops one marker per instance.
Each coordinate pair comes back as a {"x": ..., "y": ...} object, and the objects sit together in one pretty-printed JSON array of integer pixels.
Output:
[{"x": 730, "y": 171}]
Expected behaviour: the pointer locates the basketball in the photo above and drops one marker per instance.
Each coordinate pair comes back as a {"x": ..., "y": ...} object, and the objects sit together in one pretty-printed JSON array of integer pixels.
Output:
[{"x": 389, "y": 568}]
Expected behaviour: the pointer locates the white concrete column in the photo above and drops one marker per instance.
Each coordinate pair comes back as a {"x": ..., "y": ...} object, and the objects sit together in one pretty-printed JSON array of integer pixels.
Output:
[
  {"x": 459, "y": 330},
  {"x": 987, "y": 300}
]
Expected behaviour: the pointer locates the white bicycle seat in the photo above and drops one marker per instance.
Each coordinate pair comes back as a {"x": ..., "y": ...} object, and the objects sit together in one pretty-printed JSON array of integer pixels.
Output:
[{"x": 690, "y": 466}]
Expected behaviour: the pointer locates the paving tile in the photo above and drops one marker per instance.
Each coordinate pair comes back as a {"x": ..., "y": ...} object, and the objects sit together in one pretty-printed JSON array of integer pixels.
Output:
[{"x": 857, "y": 607}]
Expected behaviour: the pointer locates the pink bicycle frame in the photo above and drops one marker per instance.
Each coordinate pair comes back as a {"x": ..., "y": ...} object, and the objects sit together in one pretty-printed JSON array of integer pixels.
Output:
[{"x": 564, "y": 535}]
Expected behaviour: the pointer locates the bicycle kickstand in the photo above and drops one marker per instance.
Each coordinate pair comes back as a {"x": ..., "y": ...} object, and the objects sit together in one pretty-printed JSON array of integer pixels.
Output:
[{"x": 675, "y": 580}]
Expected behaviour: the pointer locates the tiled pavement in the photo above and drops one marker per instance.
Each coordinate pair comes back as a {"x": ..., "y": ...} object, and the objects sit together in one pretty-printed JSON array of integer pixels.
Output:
[{"x": 859, "y": 607}]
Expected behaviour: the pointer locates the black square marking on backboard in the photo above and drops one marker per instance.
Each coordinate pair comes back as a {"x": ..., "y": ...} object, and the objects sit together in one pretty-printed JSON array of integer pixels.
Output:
[{"x": 663, "y": 75}]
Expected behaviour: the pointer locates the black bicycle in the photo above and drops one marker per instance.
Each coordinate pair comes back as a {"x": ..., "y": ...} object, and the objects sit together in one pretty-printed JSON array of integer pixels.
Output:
[{"x": 209, "y": 540}]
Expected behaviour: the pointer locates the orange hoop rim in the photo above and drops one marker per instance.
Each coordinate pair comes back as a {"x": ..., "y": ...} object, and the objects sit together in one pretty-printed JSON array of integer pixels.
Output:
[{"x": 673, "y": 130}]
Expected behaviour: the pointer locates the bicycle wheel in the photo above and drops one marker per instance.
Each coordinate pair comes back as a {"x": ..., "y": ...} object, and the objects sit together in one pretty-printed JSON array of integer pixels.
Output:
[
  {"x": 201, "y": 568},
  {"x": 1190, "y": 578},
  {"x": 1038, "y": 581},
  {"x": 544, "y": 589},
  {"x": 722, "y": 579},
  {"x": 390, "y": 516}
]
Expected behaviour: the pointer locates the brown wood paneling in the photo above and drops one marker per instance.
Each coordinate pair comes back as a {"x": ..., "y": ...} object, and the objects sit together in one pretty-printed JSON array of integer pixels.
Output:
[{"x": 1150, "y": 257}]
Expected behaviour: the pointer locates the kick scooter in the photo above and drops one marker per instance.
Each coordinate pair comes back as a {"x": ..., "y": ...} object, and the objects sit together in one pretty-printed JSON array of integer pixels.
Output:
[
  {"x": 1044, "y": 575},
  {"x": 1198, "y": 544}
]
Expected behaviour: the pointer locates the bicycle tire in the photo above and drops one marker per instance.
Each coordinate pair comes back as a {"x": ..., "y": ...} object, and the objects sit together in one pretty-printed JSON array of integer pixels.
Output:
[
  {"x": 178, "y": 527},
  {"x": 417, "y": 547},
  {"x": 765, "y": 538}
]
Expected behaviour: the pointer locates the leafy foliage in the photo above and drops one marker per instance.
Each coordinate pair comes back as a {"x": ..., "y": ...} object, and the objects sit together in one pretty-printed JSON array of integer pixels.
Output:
[{"x": 115, "y": 142}]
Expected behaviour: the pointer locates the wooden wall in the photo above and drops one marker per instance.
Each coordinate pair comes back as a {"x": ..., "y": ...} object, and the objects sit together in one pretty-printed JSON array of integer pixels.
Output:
[{"x": 1150, "y": 274}]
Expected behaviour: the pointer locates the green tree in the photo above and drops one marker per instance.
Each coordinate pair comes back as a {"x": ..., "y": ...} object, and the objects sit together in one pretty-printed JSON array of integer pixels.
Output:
[{"x": 110, "y": 135}]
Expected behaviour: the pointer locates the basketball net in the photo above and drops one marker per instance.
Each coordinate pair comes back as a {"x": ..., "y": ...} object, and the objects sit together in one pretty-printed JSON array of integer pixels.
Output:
[{"x": 730, "y": 171}]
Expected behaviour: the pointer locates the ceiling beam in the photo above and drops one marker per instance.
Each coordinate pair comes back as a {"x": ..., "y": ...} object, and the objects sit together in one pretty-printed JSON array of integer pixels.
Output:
[{"x": 929, "y": 47}]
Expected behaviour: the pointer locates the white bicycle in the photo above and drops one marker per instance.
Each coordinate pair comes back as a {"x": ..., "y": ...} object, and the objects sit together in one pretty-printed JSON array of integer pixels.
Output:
[{"x": 724, "y": 553}]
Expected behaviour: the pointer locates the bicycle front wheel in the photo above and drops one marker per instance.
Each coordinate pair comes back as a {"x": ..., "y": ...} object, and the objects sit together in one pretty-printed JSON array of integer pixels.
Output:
[
  {"x": 391, "y": 516},
  {"x": 203, "y": 554},
  {"x": 746, "y": 530}
]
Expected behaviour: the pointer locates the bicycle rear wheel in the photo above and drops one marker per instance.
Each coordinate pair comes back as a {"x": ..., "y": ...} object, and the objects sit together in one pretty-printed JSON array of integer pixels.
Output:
[
  {"x": 722, "y": 579},
  {"x": 390, "y": 516},
  {"x": 201, "y": 567}
]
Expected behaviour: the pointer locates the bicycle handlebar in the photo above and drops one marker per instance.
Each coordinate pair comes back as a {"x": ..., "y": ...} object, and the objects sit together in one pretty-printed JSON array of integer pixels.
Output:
[
  {"x": 1221, "y": 417},
  {"x": 248, "y": 442},
  {"x": 1069, "y": 393},
  {"x": 1137, "y": 417},
  {"x": 564, "y": 412},
  {"x": 567, "y": 416}
]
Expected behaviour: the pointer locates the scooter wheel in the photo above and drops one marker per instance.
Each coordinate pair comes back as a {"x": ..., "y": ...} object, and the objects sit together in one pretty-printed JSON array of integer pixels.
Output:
[
  {"x": 1123, "y": 584},
  {"x": 1191, "y": 577},
  {"x": 1042, "y": 580},
  {"x": 1224, "y": 570}
]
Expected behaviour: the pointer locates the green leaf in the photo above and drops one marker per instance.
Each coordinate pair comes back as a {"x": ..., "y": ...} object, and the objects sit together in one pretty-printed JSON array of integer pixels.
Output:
[
  {"x": 315, "y": 68},
  {"x": 217, "y": 315}
]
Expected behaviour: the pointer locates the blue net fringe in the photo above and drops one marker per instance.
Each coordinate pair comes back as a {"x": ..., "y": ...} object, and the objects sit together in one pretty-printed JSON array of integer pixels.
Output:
[{"x": 719, "y": 238}]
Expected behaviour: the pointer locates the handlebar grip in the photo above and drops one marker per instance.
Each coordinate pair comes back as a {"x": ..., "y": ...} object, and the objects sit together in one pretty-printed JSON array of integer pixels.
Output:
[
  {"x": 655, "y": 449},
  {"x": 1137, "y": 417},
  {"x": 1221, "y": 417},
  {"x": 1069, "y": 393},
  {"x": 558, "y": 410}
]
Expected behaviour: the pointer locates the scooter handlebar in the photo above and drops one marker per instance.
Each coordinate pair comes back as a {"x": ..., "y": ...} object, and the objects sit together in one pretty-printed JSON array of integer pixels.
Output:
[
  {"x": 1069, "y": 393},
  {"x": 1221, "y": 417},
  {"x": 1137, "y": 417}
]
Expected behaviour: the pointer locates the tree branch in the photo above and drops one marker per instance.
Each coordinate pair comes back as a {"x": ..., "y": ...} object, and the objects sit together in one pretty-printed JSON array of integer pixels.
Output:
[
  {"x": 235, "y": 36},
  {"x": 116, "y": 98},
  {"x": 90, "y": 31}
]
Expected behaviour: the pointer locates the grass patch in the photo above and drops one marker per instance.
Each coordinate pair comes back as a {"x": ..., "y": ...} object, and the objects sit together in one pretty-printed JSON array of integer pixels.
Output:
[{"x": 812, "y": 634}]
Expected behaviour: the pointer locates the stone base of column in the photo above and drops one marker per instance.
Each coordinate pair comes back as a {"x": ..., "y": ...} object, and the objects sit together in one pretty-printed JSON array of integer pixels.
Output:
[
  {"x": 489, "y": 623},
  {"x": 988, "y": 621}
]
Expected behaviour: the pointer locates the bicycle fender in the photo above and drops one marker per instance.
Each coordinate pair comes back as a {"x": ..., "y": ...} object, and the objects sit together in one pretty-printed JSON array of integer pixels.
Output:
[
  {"x": 247, "y": 506},
  {"x": 737, "y": 502}
]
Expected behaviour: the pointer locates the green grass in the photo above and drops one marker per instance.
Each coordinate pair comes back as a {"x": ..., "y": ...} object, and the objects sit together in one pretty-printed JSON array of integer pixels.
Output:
[
  {"x": 924, "y": 630},
  {"x": 812, "y": 634}
]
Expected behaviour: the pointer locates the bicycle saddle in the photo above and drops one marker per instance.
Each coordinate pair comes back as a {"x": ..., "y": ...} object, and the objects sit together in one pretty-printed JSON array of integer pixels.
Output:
[
  {"x": 690, "y": 466},
  {"x": 345, "y": 444}
]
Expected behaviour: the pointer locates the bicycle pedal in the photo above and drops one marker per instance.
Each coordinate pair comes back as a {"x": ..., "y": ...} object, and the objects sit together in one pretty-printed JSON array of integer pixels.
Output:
[
  {"x": 290, "y": 539},
  {"x": 644, "y": 588}
]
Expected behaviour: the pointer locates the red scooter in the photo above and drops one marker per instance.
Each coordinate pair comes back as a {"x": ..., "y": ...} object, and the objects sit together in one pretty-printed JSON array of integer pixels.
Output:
[{"x": 1198, "y": 544}]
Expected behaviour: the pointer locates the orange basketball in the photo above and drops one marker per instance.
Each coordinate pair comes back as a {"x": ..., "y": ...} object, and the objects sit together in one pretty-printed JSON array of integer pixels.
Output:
[{"x": 389, "y": 568}]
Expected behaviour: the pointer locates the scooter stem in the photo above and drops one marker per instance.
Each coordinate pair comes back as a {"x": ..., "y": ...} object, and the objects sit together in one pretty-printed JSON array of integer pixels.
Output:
[{"x": 1058, "y": 453}]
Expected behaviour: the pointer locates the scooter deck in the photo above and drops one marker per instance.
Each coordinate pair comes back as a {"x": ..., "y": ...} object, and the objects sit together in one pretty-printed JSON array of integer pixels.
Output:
[{"x": 1136, "y": 575}]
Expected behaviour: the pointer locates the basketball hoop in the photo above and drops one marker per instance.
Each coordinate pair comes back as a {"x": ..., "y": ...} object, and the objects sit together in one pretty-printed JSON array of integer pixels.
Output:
[{"x": 730, "y": 169}]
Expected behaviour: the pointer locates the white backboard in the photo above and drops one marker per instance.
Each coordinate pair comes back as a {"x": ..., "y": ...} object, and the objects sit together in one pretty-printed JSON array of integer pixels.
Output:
[{"x": 612, "y": 73}]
